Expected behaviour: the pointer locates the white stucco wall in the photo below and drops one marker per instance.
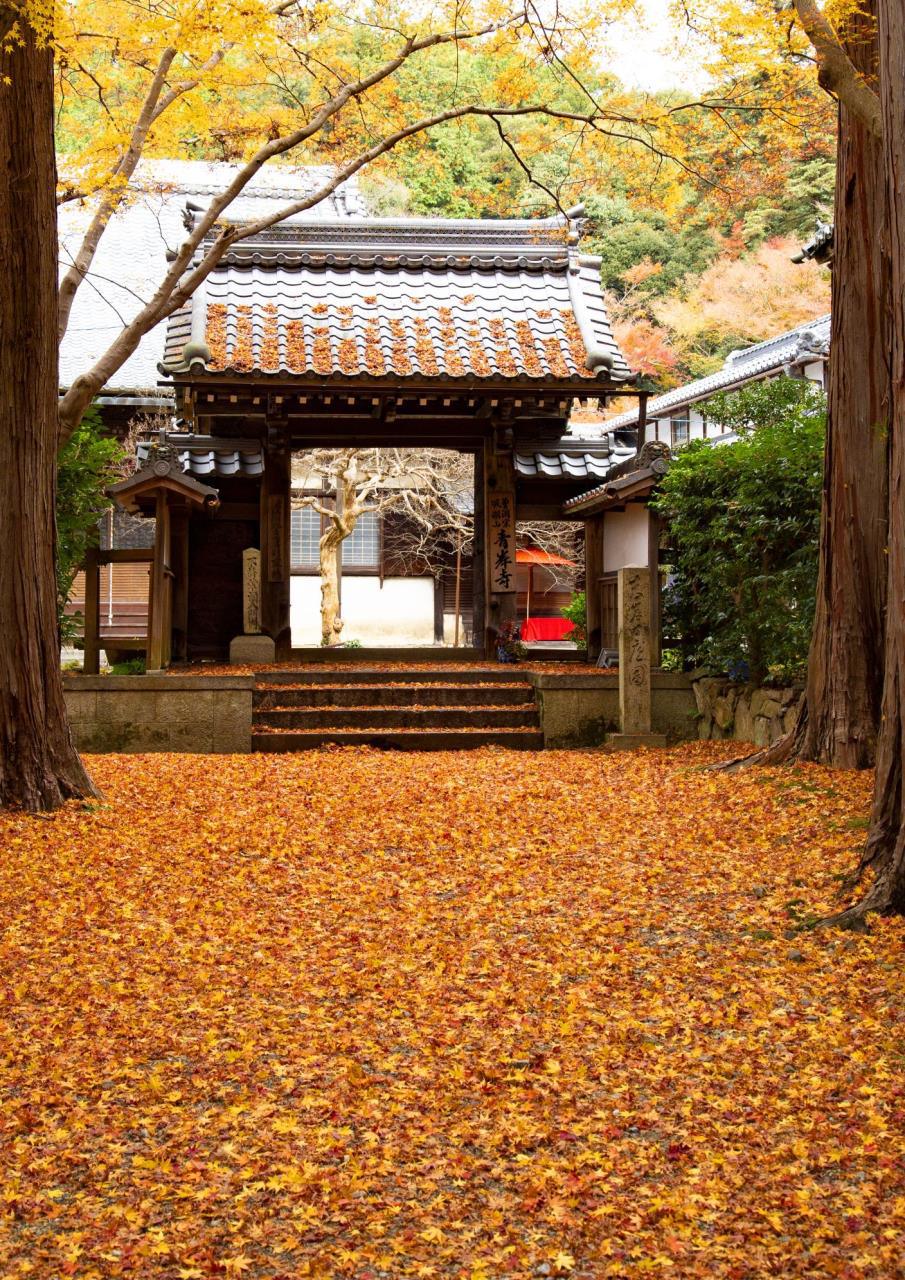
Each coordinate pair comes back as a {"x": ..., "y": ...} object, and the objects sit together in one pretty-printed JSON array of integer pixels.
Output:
[
  {"x": 625, "y": 537},
  {"x": 398, "y": 613}
]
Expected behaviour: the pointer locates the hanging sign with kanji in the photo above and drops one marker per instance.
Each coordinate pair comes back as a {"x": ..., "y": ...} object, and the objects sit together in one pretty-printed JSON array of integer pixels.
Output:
[{"x": 502, "y": 542}]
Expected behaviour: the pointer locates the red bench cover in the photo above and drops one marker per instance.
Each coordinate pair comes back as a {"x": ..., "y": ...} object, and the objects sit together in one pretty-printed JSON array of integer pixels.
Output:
[{"x": 546, "y": 629}]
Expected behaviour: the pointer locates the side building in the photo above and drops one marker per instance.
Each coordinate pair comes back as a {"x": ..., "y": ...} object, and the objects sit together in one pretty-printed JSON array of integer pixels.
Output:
[{"x": 620, "y": 528}]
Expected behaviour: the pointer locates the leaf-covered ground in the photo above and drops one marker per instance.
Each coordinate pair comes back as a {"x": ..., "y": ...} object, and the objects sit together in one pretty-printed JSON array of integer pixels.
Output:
[{"x": 479, "y": 1015}]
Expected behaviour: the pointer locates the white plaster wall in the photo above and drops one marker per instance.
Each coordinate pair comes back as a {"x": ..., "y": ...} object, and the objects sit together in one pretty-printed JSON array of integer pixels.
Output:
[
  {"x": 625, "y": 537},
  {"x": 398, "y": 613}
]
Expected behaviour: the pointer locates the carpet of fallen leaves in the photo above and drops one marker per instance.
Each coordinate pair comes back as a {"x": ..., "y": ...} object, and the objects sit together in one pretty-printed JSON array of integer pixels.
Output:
[
  {"x": 474, "y": 1015},
  {"x": 542, "y": 666}
]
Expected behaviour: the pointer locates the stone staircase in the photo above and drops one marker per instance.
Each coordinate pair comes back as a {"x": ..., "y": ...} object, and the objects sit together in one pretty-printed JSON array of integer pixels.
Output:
[{"x": 407, "y": 710}]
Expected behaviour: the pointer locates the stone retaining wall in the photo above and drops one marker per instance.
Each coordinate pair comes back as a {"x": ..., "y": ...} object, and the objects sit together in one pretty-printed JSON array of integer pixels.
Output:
[
  {"x": 160, "y": 713},
  {"x": 729, "y": 710},
  {"x": 580, "y": 710}
]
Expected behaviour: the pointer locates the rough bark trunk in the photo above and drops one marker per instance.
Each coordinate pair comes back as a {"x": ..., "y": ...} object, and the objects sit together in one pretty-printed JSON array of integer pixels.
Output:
[
  {"x": 844, "y": 669},
  {"x": 39, "y": 767},
  {"x": 840, "y": 713},
  {"x": 331, "y": 622},
  {"x": 884, "y": 853}
]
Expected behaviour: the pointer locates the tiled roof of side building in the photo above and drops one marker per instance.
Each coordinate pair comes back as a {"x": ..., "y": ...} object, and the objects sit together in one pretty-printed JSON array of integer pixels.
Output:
[
  {"x": 131, "y": 258},
  {"x": 212, "y": 462},
  {"x": 811, "y": 339},
  {"x": 424, "y": 298}
]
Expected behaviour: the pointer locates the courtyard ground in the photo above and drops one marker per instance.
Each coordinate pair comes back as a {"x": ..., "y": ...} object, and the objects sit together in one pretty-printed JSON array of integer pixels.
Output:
[{"x": 350, "y": 1013}]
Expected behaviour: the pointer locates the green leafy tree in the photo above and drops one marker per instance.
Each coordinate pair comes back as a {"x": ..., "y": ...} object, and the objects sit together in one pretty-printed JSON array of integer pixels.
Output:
[
  {"x": 87, "y": 464},
  {"x": 743, "y": 520}
]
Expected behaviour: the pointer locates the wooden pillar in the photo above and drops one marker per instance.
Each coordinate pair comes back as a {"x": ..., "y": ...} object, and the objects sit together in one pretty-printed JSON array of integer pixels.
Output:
[
  {"x": 91, "y": 661},
  {"x": 499, "y": 541},
  {"x": 276, "y": 485},
  {"x": 656, "y": 592},
  {"x": 593, "y": 560},
  {"x": 478, "y": 559},
  {"x": 180, "y": 564},
  {"x": 160, "y": 594}
]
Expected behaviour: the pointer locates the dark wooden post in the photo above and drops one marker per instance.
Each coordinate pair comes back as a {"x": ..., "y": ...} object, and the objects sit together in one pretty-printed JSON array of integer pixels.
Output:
[
  {"x": 499, "y": 540},
  {"x": 180, "y": 564},
  {"x": 593, "y": 553},
  {"x": 654, "y": 526},
  {"x": 276, "y": 485},
  {"x": 478, "y": 559},
  {"x": 159, "y": 599},
  {"x": 91, "y": 661}
]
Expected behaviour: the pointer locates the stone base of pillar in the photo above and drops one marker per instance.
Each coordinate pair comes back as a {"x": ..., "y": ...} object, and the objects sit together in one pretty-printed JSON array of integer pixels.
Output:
[
  {"x": 630, "y": 741},
  {"x": 252, "y": 649}
]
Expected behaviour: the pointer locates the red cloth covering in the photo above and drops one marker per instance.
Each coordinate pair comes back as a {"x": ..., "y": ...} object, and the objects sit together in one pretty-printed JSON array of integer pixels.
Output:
[{"x": 546, "y": 629}]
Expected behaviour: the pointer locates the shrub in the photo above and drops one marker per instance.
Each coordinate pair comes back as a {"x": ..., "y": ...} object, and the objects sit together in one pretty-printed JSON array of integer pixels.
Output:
[
  {"x": 577, "y": 613},
  {"x": 743, "y": 522}
]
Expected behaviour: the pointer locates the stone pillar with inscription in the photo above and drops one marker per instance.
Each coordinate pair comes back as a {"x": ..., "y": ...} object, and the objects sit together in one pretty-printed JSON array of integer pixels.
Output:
[
  {"x": 251, "y": 646},
  {"x": 634, "y": 662}
]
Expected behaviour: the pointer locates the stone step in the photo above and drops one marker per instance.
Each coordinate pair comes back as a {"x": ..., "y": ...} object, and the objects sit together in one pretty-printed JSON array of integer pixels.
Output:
[
  {"x": 377, "y": 719},
  {"x": 363, "y": 676},
  {"x": 400, "y": 739},
  {"x": 387, "y": 695}
]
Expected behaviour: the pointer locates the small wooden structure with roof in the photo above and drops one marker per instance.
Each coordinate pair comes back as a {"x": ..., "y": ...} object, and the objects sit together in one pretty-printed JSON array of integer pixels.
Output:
[{"x": 467, "y": 335}]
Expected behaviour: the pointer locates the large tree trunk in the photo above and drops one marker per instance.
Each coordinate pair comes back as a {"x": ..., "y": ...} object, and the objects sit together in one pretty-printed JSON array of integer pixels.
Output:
[
  {"x": 331, "y": 622},
  {"x": 844, "y": 673},
  {"x": 840, "y": 713},
  {"x": 39, "y": 767},
  {"x": 884, "y": 854}
]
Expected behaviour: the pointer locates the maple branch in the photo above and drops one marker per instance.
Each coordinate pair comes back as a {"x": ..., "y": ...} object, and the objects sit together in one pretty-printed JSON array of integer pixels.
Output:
[
  {"x": 836, "y": 73},
  {"x": 111, "y": 201}
]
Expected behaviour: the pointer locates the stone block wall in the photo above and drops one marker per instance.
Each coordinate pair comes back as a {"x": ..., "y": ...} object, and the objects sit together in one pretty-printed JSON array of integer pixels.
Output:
[
  {"x": 739, "y": 711},
  {"x": 580, "y": 710},
  {"x": 160, "y": 713}
]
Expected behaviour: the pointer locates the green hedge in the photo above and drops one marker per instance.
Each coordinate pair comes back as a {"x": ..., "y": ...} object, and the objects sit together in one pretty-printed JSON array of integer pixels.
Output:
[{"x": 743, "y": 524}]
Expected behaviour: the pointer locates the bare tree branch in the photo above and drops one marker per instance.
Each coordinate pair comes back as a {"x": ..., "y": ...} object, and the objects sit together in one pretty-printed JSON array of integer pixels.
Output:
[{"x": 111, "y": 201}]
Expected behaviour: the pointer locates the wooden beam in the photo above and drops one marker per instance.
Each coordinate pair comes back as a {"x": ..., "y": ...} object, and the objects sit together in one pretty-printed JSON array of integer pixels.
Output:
[
  {"x": 125, "y": 555},
  {"x": 158, "y": 653},
  {"x": 275, "y": 516},
  {"x": 180, "y": 586},
  {"x": 478, "y": 565},
  {"x": 593, "y": 551},
  {"x": 499, "y": 488},
  {"x": 91, "y": 658}
]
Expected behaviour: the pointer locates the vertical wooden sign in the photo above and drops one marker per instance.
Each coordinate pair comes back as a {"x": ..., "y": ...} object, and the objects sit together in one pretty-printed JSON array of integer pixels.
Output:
[
  {"x": 277, "y": 507},
  {"x": 501, "y": 551}
]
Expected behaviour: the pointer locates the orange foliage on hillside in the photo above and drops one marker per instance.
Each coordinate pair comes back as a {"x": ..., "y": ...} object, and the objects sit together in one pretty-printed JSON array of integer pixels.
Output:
[
  {"x": 481, "y": 1015},
  {"x": 752, "y": 298}
]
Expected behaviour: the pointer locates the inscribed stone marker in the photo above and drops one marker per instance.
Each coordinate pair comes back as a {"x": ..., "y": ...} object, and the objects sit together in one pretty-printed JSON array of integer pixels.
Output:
[
  {"x": 634, "y": 649},
  {"x": 251, "y": 591}
]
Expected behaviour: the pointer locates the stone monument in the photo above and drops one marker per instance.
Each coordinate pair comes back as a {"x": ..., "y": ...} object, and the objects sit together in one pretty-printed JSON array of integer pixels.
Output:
[
  {"x": 251, "y": 646},
  {"x": 633, "y": 590}
]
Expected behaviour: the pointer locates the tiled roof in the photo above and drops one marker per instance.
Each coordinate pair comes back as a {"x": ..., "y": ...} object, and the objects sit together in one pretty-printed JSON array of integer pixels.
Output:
[
  {"x": 807, "y": 342},
  {"x": 210, "y": 462},
  {"x": 423, "y": 298},
  {"x": 131, "y": 257},
  {"x": 592, "y": 463}
]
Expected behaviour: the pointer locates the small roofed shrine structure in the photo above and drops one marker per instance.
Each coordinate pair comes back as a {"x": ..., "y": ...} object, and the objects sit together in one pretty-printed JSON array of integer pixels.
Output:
[
  {"x": 473, "y": 336},
  {"x": 159, "y": 488}
]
